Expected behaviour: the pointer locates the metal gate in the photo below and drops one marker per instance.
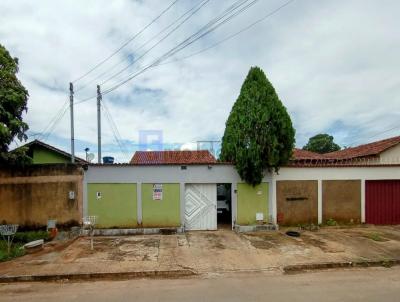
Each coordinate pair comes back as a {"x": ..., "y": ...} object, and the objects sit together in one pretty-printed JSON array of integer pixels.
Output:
[
  {"x": 201, "y": 207},
  {"x": 382, "y": 201}
]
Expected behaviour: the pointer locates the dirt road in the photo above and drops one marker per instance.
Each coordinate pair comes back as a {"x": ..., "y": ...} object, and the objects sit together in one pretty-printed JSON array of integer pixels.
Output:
[{"x": 374, "y": 284}]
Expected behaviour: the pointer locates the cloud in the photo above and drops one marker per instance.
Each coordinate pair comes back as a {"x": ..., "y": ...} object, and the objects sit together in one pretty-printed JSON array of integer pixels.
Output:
[{"x": 334, "y": 65}]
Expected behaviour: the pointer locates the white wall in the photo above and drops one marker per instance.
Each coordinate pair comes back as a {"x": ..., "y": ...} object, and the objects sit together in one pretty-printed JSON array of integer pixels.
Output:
[{"x": 391, "y": 155}]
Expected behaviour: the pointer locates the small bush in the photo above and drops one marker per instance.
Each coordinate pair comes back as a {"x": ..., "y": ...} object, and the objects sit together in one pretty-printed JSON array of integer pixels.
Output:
[
  {"x": 331, "y": 222},
  {"x": 376, "y": 237}
]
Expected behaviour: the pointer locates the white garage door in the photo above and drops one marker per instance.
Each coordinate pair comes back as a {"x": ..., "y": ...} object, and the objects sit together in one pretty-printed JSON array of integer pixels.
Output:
[{"x": 201, "y": 206}]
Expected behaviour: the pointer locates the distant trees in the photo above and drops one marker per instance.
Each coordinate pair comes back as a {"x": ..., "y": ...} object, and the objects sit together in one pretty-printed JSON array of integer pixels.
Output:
[
  {"x": 259, "y": 134},
  {"x": 321, "y": 143},
  {"x": 13, "y": 102}
]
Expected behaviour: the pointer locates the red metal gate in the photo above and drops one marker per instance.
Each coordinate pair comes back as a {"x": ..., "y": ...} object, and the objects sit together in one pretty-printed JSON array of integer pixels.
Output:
[{"x": 382, "y": 201}]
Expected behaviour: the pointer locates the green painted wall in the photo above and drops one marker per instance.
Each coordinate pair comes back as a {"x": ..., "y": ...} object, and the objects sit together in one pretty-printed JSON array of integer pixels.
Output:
[
  {"x": 161, "y": 213},
  {"x": 251, "y": 200},
  {"x": 117, "y": 206},
  {"x": 45, "y": 156}
]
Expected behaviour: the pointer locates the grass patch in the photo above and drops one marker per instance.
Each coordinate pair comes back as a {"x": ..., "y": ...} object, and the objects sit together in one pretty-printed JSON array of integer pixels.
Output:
[
  {"x": 331, "y": 222},
  {"x": 20, "y": 239},
  {"x": 15, "y": 251},
  {"x": 25, "y": 237},
  {"x": 376, "y": 237}
]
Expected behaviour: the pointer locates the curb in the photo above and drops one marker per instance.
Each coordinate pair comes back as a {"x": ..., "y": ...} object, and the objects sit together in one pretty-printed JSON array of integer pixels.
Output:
[
  {"x": 292, "y": 269},
  {"x": 99, "y": 276}
]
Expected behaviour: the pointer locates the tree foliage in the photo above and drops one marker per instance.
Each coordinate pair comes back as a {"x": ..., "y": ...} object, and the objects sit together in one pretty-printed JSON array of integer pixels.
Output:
[
  {"x": 259, "y": 134},
  {"x": 321, "y": 143},
  {"x": 13, "y": 102}
]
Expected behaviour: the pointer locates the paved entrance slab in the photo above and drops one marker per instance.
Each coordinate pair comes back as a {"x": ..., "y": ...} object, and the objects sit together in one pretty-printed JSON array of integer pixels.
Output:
[{"x": 210, "y": 252}]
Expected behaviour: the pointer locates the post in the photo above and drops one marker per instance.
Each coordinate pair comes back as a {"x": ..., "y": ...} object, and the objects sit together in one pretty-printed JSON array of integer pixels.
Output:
[
  {"x": 71, "y": 106},
  {"x": 98, "y": 125}
]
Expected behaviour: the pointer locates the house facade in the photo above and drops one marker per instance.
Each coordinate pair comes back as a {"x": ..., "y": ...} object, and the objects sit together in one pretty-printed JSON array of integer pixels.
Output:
[
  {"x": 313, "y": 188},
  {"x": 191, "y": 190}
]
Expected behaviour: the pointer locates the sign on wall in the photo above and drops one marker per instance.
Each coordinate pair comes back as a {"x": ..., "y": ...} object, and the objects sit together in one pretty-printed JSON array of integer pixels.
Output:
[{"x": 157, "y": 192}]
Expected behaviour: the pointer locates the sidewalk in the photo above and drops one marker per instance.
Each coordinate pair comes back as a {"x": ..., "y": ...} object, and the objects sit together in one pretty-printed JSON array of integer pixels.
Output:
[{"x": 209, "y": 252}]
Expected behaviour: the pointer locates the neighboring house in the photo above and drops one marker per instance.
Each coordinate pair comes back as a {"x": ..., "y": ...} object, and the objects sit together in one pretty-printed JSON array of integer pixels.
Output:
[
  {"x": 384, "y": 151},
  {"x": 42, "y": 153},
  {"x": 173, "y": 158}
]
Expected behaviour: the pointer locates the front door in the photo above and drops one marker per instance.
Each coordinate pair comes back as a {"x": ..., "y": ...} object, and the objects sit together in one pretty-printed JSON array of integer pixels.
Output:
[{"x": 201, "y": 207}]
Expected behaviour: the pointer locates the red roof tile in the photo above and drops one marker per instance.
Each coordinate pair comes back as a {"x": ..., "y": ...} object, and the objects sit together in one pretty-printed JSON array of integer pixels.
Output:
[
  {"x": 172, "y": 157},
  {"x": 367, "y": 150},
  {"x": 300, "y": 154}
]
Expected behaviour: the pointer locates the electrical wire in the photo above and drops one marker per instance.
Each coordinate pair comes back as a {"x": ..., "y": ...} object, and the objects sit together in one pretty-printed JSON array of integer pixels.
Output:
[
  {"x": 375, "y": 135},
  {"x": 141, "y": 46},
  {"x": 53, "y": 121},
  {"x": 126, "y": 43},
  {"x": 50, "y": 131},
  {"x": 115, "y": 131},
  {"x": 188, "y": 41},
  {"x": 230, "y": 36},
  {"x": 156, "y": 44},
  {"x": 227, "y": 11}
]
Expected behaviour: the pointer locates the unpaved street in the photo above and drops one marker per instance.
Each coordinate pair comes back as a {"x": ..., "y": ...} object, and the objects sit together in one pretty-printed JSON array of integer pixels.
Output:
[{"x": 374, "y": 284}]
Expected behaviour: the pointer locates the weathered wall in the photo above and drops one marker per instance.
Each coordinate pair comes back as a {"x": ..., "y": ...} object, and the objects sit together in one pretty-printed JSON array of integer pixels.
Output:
[
  {"x": 161, "y": 213},
  {"x": 117, "y": 205},
  {"x": 297, "y": 202},
  {"x": 251, "y": 200},
  {"x": 30, "y": 196},
  {"x": 341, "y": 200}
]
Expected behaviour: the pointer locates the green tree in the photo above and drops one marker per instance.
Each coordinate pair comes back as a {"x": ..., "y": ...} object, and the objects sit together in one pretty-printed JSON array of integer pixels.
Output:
[
  {"x": 13, "y": 102},
  {"x": 321, "y": 143},
  {"x": 259, "y": 134}
]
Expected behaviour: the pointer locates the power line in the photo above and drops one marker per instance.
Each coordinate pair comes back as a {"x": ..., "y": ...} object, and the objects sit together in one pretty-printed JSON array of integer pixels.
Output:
[
  {"x": 115, "y": 131},
  {"x": 156, "y": 44},
  {"x": 377, "y": 134},
  {"x": 53, "y": 121},
  {"x": 188, "y": 41},
  {"x": 226, "y": 12},
  {"x": 50, "y": 131},
  {"x": 141, "y": 46},
  {"x": 126, "y": 43},
  {"x": 230, "y": 36}
]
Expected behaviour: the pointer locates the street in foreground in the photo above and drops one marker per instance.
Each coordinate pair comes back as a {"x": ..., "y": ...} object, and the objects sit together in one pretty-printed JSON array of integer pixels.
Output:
[{"x": 372, "y": 284}]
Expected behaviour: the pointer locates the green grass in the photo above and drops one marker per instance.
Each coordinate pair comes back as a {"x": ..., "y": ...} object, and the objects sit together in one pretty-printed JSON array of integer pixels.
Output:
[
  {"x": 16, "y": 251},
  {"x": 375, "y": 237},
  {"x": 20, "y": 239},
  {"x": 331, "y": 222},
  {"x": 25, "y": 237}
]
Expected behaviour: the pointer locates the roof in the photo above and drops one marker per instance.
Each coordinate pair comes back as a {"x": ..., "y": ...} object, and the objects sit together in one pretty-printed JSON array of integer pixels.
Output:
[
  {"x": 300, "y": 154},
  {"x": 172, "y": 157},
  {"x": 367, "y": 150},
  {"x": 37, "y": 142}
]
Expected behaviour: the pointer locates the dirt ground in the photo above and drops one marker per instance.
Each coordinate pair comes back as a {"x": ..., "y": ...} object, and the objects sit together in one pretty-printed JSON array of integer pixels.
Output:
[{"x": 212, "y": 251}]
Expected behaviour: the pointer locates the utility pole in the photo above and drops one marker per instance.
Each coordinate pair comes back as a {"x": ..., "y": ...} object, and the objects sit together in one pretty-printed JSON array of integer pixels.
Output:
[
  {"x": 71, "y": 109},
  {"x": 99, "y": 97}
]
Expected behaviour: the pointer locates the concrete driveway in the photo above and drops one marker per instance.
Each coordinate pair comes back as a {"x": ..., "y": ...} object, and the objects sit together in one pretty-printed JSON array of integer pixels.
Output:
[{"x": 211, "y": 252}]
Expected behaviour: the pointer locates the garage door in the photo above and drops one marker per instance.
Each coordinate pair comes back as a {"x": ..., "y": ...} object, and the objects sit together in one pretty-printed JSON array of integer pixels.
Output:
[
  {"x": 382, "y": 201},
  {"x": 201, "y": 207}
]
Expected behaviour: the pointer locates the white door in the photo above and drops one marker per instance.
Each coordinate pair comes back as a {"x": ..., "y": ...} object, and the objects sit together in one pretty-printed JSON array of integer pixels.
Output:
[{"x": 201, "y": 207}]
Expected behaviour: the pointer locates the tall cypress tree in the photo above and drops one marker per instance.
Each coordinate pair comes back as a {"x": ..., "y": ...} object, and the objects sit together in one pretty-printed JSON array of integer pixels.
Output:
[{"x": 259, "y": 134}]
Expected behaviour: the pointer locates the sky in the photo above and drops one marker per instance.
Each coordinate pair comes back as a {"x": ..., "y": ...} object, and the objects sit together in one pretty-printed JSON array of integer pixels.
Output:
[{"x": 334, "y": 64}]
